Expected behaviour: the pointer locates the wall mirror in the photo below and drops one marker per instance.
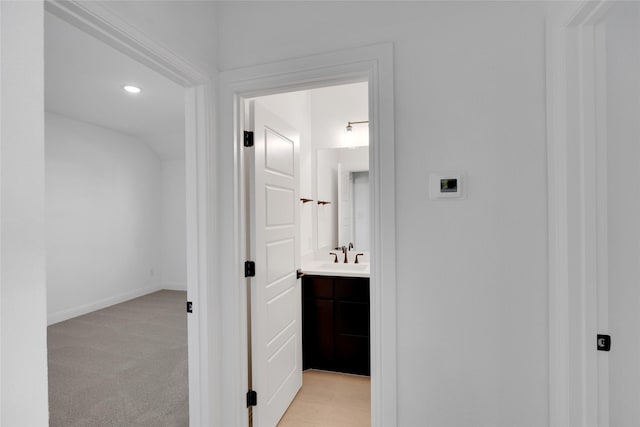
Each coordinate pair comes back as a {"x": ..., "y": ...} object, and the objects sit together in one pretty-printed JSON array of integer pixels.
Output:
[{"x": 343, "y": 180}]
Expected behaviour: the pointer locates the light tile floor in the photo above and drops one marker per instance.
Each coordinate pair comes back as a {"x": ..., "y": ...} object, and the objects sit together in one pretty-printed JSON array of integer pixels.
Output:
[{"x": 330, "y": 399}]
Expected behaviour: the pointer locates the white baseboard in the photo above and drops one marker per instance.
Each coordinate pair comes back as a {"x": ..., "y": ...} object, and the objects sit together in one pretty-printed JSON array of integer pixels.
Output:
[
  {"x": 173, "y": 286},
  {"x": 98, "y": 305}
]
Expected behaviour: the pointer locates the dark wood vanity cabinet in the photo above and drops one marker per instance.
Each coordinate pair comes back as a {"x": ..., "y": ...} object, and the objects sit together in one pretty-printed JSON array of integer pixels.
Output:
[{"x": 335, "y": 324}]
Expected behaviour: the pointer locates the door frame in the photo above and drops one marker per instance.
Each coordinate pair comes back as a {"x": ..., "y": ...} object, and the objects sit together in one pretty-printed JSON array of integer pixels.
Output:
[
  {"x": 99, "y": 22},
  {"x": 375, "y": 65},
  {"x": 577, "y": 264}
]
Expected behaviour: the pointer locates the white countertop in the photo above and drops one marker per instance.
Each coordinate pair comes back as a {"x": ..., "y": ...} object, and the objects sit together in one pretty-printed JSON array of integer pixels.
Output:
[{"x": 323, "y": 268}]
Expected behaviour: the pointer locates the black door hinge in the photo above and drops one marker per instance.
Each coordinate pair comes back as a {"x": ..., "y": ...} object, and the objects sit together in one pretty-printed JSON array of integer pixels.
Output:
[
  {"x": 248, "y": 138},
  {"x": 252, "y": 398},
  {"x": 604, "y": 342},
  {"x": 189, "y": 307},
  {"x": 249, "y": 269}
]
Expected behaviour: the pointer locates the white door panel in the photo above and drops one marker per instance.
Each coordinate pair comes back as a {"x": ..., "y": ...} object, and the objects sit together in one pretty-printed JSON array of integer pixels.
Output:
[
  {"x": 280, "y": 259},
  {"x": 276, "y": 294},
  {"x": 279, "y": 153},
  {"x": 280, "y": 311},
  {"x": 280, "y": 206},
  {"x": 282, "y": 371}
]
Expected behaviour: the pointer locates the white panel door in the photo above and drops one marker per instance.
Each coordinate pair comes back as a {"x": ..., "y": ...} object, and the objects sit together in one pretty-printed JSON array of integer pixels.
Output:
[{"x": 276, "y": 318}]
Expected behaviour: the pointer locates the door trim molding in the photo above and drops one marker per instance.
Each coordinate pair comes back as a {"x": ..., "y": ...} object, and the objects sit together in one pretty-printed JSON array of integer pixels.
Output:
[
  {"x": 574, "y": 369},
  {"x": 375, "y": 65},
  {"x": 98, "y": 21}
]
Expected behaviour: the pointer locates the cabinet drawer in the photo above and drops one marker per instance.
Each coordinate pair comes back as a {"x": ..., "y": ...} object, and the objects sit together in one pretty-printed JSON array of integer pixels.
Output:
[
  {"x": 318, "y": 334},
  {"x": 352, "y": 289}
]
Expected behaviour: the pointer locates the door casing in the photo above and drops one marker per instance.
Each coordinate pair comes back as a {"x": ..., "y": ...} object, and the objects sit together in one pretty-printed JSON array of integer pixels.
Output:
[
  {"x": 578, "y": 376},
  {"x": 375, "y": 65}
]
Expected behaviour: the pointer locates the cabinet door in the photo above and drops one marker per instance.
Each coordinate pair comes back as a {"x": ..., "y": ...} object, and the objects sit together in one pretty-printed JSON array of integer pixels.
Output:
[
  {"x": 352, "y": 354},
  {"x": 318, "y": 337},
  {"x": 352, "y": 337},
  {"x": 318, "y": 343},
  {"x": 352, "y": 318}
]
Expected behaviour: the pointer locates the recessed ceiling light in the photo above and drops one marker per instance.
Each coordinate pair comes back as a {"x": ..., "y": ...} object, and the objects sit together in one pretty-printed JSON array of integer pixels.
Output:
[{"x": 132, "y": 89}]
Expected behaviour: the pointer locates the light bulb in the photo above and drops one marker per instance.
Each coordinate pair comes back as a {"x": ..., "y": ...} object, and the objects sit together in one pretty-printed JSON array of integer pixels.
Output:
[{"x": 132, "y": 89}]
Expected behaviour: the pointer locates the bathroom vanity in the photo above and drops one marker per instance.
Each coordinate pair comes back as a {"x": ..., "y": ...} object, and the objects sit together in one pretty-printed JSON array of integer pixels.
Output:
[{"x": 335, "y": 323}]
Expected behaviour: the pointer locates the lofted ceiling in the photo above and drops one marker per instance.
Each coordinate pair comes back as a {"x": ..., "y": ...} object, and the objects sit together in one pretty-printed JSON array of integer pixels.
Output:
[{"x": 84, "y": 79}]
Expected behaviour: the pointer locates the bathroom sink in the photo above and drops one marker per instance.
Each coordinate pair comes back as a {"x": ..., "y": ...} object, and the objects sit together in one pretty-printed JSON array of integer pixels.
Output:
[{"x": 323, "y": 268}]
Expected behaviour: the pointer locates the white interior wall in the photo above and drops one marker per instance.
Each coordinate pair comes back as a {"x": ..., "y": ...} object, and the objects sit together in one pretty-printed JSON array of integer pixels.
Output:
[
  {"x": 354, "y": 159},
  {"x": 103, "y": 217},
  {"x": 332, "y": 107},
  {"x": 23, "y": 321},
  {"x": 173, "y": 247},
  {"x": 471, "y": 275},
  {"x": 622, "y": 39}
]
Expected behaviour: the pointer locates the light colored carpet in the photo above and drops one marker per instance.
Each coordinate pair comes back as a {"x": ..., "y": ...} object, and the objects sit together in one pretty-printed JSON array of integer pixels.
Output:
[
  {"x": 330, "y": 399},
  {"x": 125, "y": 365}
]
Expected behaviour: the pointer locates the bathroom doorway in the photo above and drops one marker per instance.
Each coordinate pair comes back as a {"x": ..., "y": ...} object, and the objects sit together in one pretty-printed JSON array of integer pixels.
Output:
[
  {"x": 323, "y": 135},
  {"x": 375, "y": 65}
]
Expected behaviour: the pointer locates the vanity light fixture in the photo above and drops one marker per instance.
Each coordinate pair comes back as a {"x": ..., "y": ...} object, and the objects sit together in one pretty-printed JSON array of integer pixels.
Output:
[
  {"x": 132, "y": 89},
  {"x": 350, "y": 124}
]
